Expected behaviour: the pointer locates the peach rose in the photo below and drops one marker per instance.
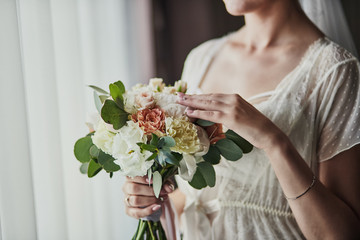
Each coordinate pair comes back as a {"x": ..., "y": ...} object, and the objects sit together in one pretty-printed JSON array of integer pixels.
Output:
[
  {"x": 215, "y": 132},
  {"x": 150, "y": 120}
]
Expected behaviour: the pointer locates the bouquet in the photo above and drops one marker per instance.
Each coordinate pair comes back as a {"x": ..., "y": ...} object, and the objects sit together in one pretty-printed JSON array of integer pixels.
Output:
[{"x": 144, "y": 131}]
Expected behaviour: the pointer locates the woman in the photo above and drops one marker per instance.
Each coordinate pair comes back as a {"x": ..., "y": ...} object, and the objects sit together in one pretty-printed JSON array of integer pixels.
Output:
[{"x": 294, "y": 95}]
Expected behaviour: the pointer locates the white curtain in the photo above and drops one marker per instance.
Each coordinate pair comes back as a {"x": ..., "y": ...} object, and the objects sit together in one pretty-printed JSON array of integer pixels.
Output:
[{"x": 49, "y": 51}]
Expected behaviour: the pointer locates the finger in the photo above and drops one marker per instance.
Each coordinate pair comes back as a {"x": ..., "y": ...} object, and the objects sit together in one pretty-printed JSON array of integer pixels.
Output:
[
  {"x": 143, "y": 179},
  {"x": 213, "y": 116},
  {"x": 202, "y": 102},
  {"x": 142, "y": 212},
  {"x": 143, "y": 201},
  {"x": 132, "y": 188}
]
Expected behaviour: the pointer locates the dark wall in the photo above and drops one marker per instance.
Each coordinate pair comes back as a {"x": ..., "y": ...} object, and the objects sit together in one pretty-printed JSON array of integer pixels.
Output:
[{"x": 180, "y": 26}]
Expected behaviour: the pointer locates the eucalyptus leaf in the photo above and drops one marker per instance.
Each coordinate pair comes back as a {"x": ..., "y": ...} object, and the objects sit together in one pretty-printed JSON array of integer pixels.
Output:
[
  {"x": 84, "y": 167},
  {"x": 111, "y": 167},
  {"x": 97, "y": 102},
  {"x": 238, "y": 140},
  {"x": 94, "y": 151},
  {"x": 112, "y": 114},
  {"x": 82, "y": 149},
  {"x": 166, "y": 142},
  {"x": 229, "y": 149},
  {"x": 157, "y": 183},
  {"x": 198, "y": 180},
  {"x": 169, "y": 158},
  {"x": 204, "y": 123},
  {"x": 161, "y": 158},
  {"x": 93, "y": 169},
  {"x": 111, "y": 174},
  {"x": 149, "y": 175},
  {"x": 208, "y": 173},
  {"x": 98, "y": 89},
  {"x": 213, "y": 155}
]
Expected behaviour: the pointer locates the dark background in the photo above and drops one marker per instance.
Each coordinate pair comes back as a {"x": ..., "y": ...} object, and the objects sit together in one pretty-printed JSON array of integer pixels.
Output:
[{"x": 179, "y": 26}]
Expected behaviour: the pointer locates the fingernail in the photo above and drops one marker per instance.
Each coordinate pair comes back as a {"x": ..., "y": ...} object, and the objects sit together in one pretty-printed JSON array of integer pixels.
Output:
[
  {"x": 169, "y": 188},
  {"x": 157, "y": 207},
  {"x": 190, "y": 111}
]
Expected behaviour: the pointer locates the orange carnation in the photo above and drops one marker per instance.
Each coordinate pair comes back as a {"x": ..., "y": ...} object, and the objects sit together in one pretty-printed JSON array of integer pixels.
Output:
[{"x": 150, "y": 120}]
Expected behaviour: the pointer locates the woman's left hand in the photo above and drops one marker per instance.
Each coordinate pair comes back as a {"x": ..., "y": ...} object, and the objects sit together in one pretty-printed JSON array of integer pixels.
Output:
[{"x": 235, "y": 113}]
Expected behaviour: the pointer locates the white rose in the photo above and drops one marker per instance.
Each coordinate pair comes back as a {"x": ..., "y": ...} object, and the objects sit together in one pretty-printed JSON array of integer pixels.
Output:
[
  {"x": 169, "y": 90},
  {"x": 180, "y": 86},
  {"x": 103, "y": 138},
  {"x": 156, "y": 84},
  {"x": 188, "y": 166},
  {"x": 167, "y": 102},
  {"x": 145, "y": 100}
]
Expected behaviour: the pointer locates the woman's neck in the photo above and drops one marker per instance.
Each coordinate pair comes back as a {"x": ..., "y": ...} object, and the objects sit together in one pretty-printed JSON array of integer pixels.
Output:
[{"x": 275, "y": 24}]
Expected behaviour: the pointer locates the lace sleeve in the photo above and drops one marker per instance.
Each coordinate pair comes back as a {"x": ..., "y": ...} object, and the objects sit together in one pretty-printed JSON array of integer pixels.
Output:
[{"x": 339, "y": 127}]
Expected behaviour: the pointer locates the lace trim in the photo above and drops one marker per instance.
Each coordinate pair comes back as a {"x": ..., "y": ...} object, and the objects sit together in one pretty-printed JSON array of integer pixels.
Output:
[{"x": 253, "y": 206}]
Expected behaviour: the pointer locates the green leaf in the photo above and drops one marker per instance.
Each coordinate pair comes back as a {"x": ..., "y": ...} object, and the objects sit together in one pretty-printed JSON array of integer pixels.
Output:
[
  {"x": 97, "y": 102},
  {"x": 98, "y": 89},
  {"x": 166, "y": 142},
  {"x": 94, "y": 151},
  {"x": 121, "y": 86},
  {"x": 103, "y": 98},
  {"x": 82, "y": 149},
  {"x": 157, "y": 183},
  {"x": 84, "y": 167},
  {"x": 198, "y": 180},
  {"x": 149, "y": 175},
  {"x": 107, "y": 162},
  {"x": 178, "y": 156},
  {"x": 111, "y": 174},
  {"x": 213, "y": 155},
  {"x": 153, "y": 156},
  {"x": 229, "y": 149},
  {"x": 93, "y": 169},
  {"x": 204, "y": 123},
  {"x": 154, "y": 139},
  {"x": 238, "y": 140},
  {"x": 148, "y": 147},
  {"x": 208, "y": 173},
  {"x": 116, "y": 94},
  {"x": 112, "y": 114}
]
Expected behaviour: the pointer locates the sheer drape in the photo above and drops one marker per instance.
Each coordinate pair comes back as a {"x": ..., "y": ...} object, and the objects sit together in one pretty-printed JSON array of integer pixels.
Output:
[{"x": 49, "y": 51}]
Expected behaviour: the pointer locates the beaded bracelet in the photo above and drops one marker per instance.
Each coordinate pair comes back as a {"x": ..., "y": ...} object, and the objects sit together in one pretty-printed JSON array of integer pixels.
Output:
[{"x": 311, "y": 185}]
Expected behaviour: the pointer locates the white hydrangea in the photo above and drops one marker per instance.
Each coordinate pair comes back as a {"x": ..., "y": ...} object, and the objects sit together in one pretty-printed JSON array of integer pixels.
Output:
[
  {"x": 128, "y": 154},
  {"x": 103, "y": 138}
]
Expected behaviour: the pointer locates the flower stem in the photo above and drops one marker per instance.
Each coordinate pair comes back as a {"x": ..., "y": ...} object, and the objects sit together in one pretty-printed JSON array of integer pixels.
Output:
[
  {"x": 151, "y": 231},
  {"x": 141, "y": 230}
]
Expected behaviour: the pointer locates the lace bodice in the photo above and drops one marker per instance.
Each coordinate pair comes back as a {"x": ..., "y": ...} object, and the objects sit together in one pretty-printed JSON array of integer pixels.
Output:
[{"x": 316, "y": 105}]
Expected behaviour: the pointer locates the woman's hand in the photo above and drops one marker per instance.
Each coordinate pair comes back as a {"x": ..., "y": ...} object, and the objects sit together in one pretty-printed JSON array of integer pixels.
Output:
[
  {"x": 140, "y": 200},
  {"x": 235, "y": 113}
]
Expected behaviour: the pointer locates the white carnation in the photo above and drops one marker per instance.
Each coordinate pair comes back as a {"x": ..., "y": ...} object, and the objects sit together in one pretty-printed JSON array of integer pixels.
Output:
[{"x": 103, "y": 138}]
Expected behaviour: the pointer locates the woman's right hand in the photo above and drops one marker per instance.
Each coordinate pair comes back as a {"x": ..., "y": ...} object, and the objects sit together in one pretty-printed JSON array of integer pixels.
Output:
[{"x": 140, "y": 200}]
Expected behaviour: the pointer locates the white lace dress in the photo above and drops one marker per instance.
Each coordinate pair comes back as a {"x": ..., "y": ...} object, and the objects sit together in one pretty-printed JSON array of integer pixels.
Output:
[{"x": 316, "y": 105}]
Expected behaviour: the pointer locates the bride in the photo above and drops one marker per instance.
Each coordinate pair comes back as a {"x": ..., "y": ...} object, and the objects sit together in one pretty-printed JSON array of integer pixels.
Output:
[{"x": 294, "y": 94}]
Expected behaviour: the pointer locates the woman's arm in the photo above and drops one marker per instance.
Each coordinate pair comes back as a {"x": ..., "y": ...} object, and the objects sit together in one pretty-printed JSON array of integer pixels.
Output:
[{"x": 329, "y": 210}]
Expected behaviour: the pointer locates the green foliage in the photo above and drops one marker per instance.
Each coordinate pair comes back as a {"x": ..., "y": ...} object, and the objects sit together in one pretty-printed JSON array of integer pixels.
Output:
[
  {"x": 213, "y": 155},
  {"x": 204, "y": 123},
  {"x": 198, "y": 180},
  {"x": 94, "y": 151},
  {"x": 107, "y": 162},
  {"x": 116, "y": 94},
  {"x": 82, "y": 149},
  {"x": 229, "y": 149},
  {"x": 154, "y": 139},
  {"x": 84, "y": 167},
  {"x": 97, "y": 101},
  {"x": 112, "y": 114},
  {"x": 238, "y": 140},
  {"x": 93, "y": 169},
  {"x": 208, "y": 173},
  {"x": 157, "y": 183},
  {"x": 166, "y": 142},
  {"x": 99, "y": 90}
]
